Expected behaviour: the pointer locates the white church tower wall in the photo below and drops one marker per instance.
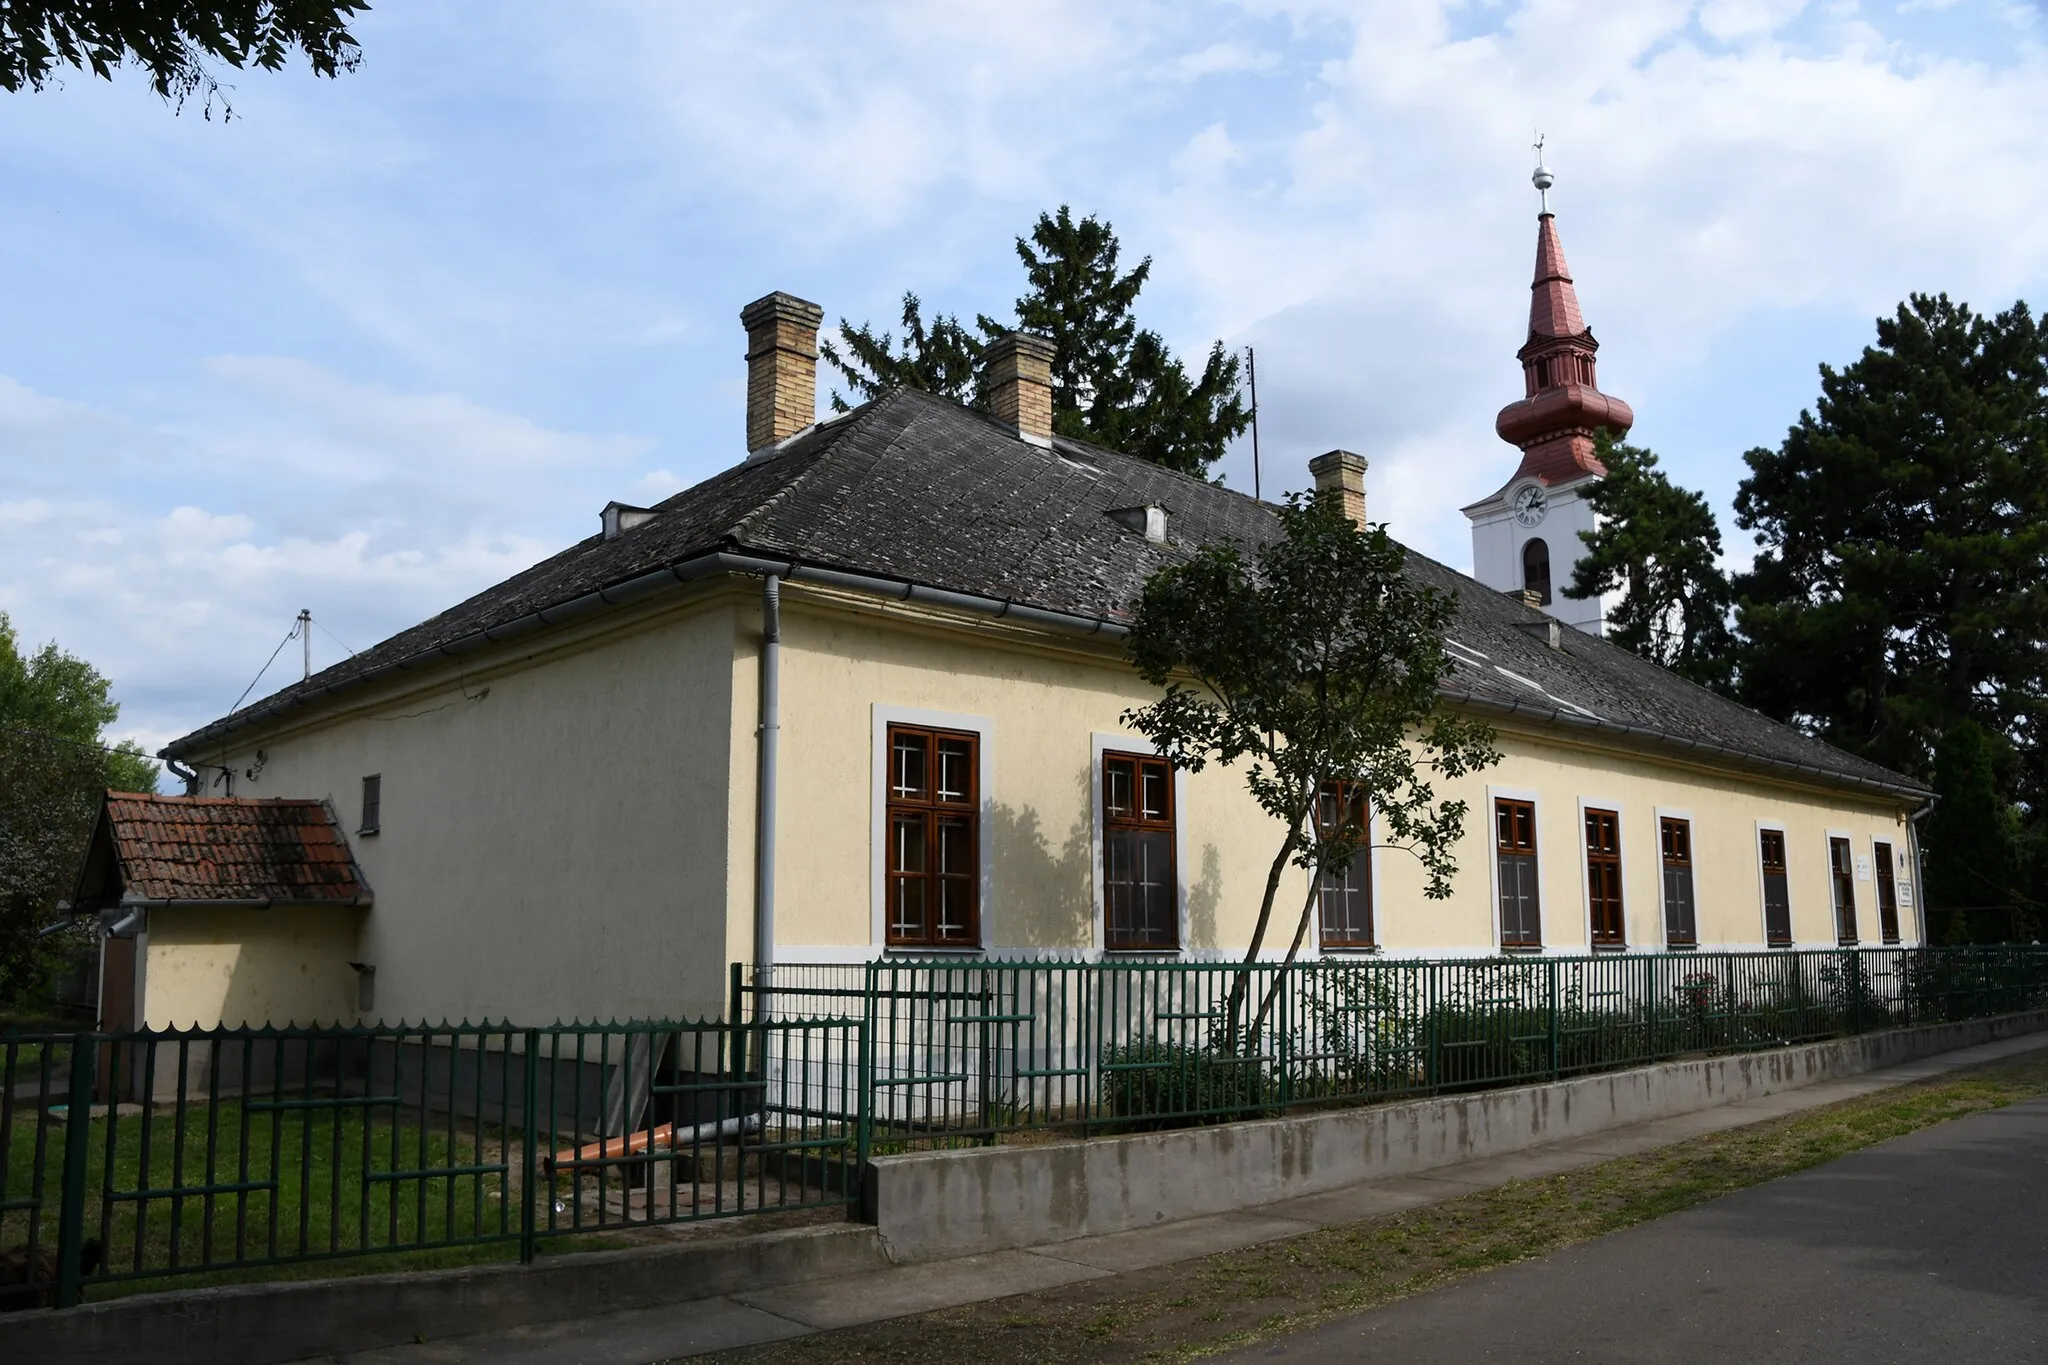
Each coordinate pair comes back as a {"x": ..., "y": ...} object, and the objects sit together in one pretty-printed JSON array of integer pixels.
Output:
[{"x": 1526, "y": 534}]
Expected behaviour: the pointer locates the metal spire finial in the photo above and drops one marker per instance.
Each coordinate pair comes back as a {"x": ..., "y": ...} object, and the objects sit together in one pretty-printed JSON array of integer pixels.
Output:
[{"x": 1542, "y": 179}]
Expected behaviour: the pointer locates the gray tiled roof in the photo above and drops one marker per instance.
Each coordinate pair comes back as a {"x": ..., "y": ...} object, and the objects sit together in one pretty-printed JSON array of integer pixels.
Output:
[{"x": 920, "y": 489}]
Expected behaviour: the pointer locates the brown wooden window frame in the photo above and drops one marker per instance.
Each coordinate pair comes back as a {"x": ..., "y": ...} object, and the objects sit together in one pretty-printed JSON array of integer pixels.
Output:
[
  {"x": 1884, "y": 867},
  {"x": 936, "y": 811},
  {"x": 1674, "y": 855},
  {"x": 1607, "y": 916},
  {"x": 1842, "y": 888},
  {"x": 1354, "y": 884},
  {"x": 1137, "y": 831},
  {"x": 373, "y": 804},
  {"x": 1775, "y": 936},
  {"x": 1514, "y": 818}
]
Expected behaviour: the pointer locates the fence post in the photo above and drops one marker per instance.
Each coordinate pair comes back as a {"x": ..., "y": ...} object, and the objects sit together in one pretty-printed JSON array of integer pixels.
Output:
[
  {"x": 1286, "y": 1038},
  {"x": 864, "y": 1103},
  {"x": 77, "y": 1146},
  {"x": 1857, "y": 986},
  {"x": 1556, "y": 1040},
  {"x": 1429, "y": 970},
  {"x": 1652, "y": 1049},
  {"x": 529, "y": 1161}
]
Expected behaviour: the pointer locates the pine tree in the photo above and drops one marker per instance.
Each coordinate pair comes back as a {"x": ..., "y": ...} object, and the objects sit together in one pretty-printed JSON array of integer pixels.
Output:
[
  {"x": 937, "y": 357},
  {"x": 1114, "y": 384},
  {"x": 1902, "y": 584},
  {"x": 1659, "y": 547}
]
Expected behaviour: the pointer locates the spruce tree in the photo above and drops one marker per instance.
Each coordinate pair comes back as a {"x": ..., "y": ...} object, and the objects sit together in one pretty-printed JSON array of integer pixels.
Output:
[
  {"x": 937, "y": 357},
  {"x": 1114, "y": 383},
  {"x": 1659, "y": 547}
]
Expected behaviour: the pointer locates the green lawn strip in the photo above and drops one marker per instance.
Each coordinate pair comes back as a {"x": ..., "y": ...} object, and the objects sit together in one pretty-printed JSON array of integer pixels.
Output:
[
  {"x": 310, "y": 1182},
  {"x": 1234, "y": 1298}
]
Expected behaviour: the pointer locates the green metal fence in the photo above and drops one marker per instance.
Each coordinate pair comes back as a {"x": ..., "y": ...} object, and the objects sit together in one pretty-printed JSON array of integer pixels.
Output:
[
  {"x": 137, "y": 1156},
  {"x": 964, "y": 1051},
  {"x": 144, "y": 1155}
]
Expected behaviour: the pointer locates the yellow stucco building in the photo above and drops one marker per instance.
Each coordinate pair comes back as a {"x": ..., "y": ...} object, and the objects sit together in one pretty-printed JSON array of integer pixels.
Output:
[{"x": 861, "y": 694}]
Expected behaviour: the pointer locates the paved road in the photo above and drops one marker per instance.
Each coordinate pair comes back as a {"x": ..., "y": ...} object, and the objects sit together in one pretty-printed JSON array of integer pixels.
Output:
[{"x": 1930, "y": 1249}]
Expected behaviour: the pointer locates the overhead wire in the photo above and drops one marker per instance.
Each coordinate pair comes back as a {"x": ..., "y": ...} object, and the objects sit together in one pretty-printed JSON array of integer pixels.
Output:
[
  {"x": 336, "y": 638},
  {"x": 289, "y": 636}
]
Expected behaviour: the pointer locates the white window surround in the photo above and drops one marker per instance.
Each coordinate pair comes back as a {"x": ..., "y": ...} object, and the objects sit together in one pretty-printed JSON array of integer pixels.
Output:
[
  {"x": 1756, "y": 853},
  {"x": 1658, "y": 815},
  {"x": 1099, "y": 743},
  {"x": 1312, "y": 944},
  {"x": 878, "y": 840},
  {"x": 1492, "y": 845},
  {"x": 1628, "y": 928}
]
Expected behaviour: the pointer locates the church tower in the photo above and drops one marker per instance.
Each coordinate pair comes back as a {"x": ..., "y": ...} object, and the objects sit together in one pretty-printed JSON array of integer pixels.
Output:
[{"x": 1525, "y": 537}]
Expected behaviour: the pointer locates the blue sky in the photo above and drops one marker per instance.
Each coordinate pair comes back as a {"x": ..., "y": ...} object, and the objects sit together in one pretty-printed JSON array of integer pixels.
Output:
[{"x": 381, "y": 341}]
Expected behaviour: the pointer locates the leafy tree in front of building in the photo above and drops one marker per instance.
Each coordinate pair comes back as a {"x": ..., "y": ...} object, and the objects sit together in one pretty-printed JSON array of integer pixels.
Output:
[
  {"x": 1311, "y": 663},
  {"x": 54, "y": 765},
  {"x": 1114, "y": 384},
  {"x": 178, "y": 43},
  {"x": 1658, "y": 549}
]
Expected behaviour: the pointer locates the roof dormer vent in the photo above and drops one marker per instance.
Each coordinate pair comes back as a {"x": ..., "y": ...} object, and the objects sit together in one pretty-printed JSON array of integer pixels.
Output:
[
  {"x": 1148, "y": 521},
  {"x": 619, "y": 518}
]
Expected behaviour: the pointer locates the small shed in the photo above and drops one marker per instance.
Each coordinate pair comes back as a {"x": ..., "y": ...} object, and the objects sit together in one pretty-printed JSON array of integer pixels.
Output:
[{"x": 222, "y": 911}]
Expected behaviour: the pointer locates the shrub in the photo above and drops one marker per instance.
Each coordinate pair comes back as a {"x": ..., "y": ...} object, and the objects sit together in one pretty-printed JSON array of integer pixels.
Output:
[{"x": 1153, "y": 1084}]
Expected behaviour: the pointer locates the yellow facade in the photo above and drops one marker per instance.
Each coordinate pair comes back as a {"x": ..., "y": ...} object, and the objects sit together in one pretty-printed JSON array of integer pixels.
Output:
[
  {"x": 207, "y": 967},
  {"x": 569, "y": 827},
  {"x": 1043, "y": 706}
]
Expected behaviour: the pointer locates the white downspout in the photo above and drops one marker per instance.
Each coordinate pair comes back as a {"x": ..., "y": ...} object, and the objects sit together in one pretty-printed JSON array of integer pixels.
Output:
[
  {"x": 1919, "y": 868},
  {"x": 764, "y": 837}
]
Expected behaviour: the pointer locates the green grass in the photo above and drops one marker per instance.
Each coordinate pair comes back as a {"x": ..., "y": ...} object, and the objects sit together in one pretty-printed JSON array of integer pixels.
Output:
[
  {"x": 320, "y": 1183},
  {"x": 1194, "y": 1308}
]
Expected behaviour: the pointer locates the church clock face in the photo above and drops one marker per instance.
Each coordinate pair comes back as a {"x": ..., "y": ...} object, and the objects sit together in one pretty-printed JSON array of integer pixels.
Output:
[{"x": 1530, "y": 506}]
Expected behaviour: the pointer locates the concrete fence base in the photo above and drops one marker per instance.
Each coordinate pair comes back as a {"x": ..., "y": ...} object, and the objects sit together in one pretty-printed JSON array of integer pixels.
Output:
[
  {"x": 260, "y": 1324},
  {"x": 935, "y": 1205}
]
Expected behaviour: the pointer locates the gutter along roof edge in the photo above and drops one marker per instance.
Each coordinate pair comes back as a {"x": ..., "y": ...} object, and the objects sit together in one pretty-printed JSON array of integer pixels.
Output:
[
  {"x": 245, "y": 903},
  {"x": 631, "y": 590},
  {"x": 713, "y": 562},
  {"x": 1665, "y": 739}
]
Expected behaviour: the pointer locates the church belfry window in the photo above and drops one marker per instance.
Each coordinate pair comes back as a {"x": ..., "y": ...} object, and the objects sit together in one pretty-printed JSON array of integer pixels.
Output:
[{"x": 1536, "y": 568}]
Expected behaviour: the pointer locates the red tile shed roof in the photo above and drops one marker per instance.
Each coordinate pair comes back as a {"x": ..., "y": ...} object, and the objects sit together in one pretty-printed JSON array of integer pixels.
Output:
[{"x": 183, "y": 848}]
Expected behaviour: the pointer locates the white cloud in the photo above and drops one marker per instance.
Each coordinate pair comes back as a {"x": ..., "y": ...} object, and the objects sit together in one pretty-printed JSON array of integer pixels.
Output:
[
  {"x": 280, "y": 486},
  {"x": 386, "y": 339}
]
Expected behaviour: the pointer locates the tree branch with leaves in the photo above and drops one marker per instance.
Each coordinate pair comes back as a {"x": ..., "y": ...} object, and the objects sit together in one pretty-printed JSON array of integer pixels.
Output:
[
  {"x": 1314, "y": 661},
  {"x": 175, "y": 42}
]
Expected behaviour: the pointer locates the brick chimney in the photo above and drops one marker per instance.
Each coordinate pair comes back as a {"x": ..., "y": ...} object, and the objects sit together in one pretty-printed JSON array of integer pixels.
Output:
[
  {"x": 1341, "y": 474},
  {"x": 782, "y": 367},
  {"x": 1016, "y": 374}
]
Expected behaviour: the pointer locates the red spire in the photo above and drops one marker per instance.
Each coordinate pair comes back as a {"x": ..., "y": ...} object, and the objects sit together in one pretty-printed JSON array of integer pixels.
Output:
[
  {"x": 1554, "y": 305},
  {"x": 1554, "y": 423}
]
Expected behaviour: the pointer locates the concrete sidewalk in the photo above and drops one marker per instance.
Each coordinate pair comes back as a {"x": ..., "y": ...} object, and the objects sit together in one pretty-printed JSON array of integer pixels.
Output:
[{"x": 742, "y": 1319}]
